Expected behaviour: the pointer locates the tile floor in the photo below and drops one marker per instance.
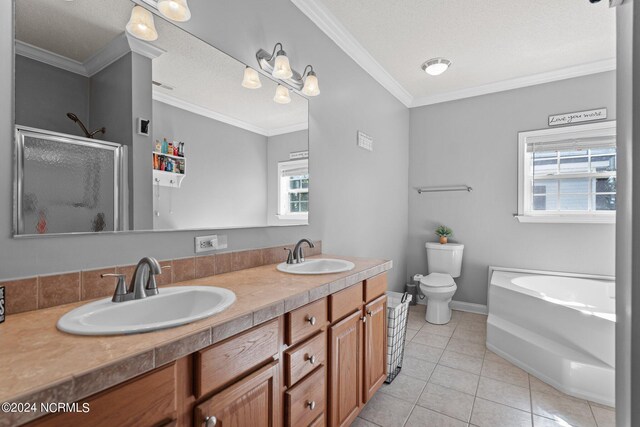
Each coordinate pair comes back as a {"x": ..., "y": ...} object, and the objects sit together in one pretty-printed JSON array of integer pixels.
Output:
[{"x": 449, "y": 379}]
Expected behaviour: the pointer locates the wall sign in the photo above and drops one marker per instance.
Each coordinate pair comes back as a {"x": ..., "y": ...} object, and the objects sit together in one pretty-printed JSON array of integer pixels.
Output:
[
  {"x": 299, "y": 155},
  {"x": 578, "y": 117}
]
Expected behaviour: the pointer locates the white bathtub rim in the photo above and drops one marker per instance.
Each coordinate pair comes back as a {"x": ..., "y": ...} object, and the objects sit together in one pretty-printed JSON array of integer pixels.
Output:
[{"x": 493, "y": 269}]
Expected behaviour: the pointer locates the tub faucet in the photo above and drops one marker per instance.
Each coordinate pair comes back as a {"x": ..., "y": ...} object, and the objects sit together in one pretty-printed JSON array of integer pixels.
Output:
[
  {"x": 143, "y": 284},
  {"x": 298, "y": 255}
]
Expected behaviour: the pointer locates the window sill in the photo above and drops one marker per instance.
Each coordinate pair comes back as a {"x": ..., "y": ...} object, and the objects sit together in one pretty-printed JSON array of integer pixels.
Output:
[{"x": 567, "y": 219}]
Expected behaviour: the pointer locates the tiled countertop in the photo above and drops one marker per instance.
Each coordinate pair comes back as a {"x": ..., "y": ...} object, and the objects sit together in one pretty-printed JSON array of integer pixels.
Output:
[{"x": 38, "y": 363}]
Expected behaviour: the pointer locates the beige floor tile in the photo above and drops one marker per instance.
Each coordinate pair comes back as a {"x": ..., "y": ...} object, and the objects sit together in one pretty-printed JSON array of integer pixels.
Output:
[
  {"x": 386, "y": 411},
  {"x": 447, "y": 401},
  {"x": 573, "y": 411},
  {"x": 491, "y": 414},
  {"x": 472, "y": 317},
  {"x": 404, "y": 387},
  {"x": 504, "y": 371},
  {"x": 466, "y": 347},
  {"x": 505, "y": 393},
  {"x": 410, "y": 334},
  {"x": 418, "y": 308},
  {"x": 455, "y": 379},
  {"x": 456, "y": 316},
  {"x": 426, "y": 338},
  {"x": 423, "y": 352},
  {"x": 470, "y": 335},
  {"x": 360, "y": 422},
  {"x": 443, "y": 330},
  {"x": 415, "y": 322},
  {"x": 473, "y": 326},
  {"x": 461, "y": 361},
  {"x": 421, "y": 417},
  {"x": 539, "y": 421},
  {"x": 604, "y": 417},
  {"x": 542, "y": 387},
  {"x": 416, "y": 368}
]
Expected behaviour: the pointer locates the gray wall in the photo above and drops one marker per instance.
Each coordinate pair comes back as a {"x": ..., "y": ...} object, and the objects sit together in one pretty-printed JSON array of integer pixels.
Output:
[
  {"x": 474, "y": 141},
  {"x": 46, "y": 94},
  {"x": 628, "y": 218},
  {"x": 226, "y": 173},
  {"x": 278, "y": 149},
  {"x": 360, "y": 198}
]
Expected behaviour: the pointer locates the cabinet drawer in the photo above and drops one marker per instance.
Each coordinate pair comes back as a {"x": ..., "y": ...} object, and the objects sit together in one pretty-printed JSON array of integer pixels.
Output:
[
  {"x": 142, "y": 401},
  {"x": 304, "y": 358},
  {"x": 319, "y": 422},
  {"x": 305, "y": 321},
  {"x": 375, "y": 286},
  {"x": 219, "y": 364},
  {"x": 306, "y": 401},
  {"x": 345, "y": 302}
]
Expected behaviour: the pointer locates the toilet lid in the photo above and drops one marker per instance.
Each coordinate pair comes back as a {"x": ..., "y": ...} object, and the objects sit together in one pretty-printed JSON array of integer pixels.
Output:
[{"x": 437, "y": 280}]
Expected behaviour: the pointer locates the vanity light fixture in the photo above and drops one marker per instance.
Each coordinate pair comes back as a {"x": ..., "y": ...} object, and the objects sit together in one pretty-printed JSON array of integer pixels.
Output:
[
  {"x": 310, "y": 87},
  {"x": 176, "y": 10},
  {"x": 251, "y": 79},
  {"x": 281, "y": 66},
  {"x": 141, "y": 24},
  {"x": 436, "y": 66},
  {"x": 282, "y": 95}
]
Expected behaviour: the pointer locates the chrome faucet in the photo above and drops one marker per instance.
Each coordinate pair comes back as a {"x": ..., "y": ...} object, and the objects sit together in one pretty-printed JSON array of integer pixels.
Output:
[
  {"x": 297, "y": 256},
  {"x": 143, "y": 283}
]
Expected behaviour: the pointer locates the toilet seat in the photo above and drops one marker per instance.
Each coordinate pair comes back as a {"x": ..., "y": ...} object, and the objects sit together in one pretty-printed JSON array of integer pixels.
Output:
[{"x": 437, "y": 280}]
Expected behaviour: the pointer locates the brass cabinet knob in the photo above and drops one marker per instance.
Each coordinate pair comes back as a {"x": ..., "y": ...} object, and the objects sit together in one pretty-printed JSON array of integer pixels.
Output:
[
  {"x": 370, "y": 313},
  {"x": 312, "y": 359},
  {"x": 210, "y": 421},
  {"x": 311, "y": 404},
  {"x": 364, "y": 319},
  {"x": 311, "y": 320}
]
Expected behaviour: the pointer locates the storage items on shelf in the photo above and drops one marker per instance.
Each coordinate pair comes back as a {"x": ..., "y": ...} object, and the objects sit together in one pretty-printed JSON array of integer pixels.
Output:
[{"x": 169, "y": 163}]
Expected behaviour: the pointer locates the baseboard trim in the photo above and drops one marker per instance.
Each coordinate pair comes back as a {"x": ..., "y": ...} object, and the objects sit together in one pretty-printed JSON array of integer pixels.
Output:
[{"x": 469, "y": 307}]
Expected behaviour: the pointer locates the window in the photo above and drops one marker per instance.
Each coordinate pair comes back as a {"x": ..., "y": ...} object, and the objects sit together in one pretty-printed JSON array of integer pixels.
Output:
[
  {"x": 293, "y": 190},
  {"x": 568, "y": 174}
]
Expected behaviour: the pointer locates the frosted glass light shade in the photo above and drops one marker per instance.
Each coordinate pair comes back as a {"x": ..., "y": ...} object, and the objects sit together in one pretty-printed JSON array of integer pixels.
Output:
[
  {"x": 436, "y": 66},
  {"x": 311, "y": 87},
  {"x": 282, "y": 95},
  {"x": 251, "y": 79},
  {"x": 141, "y": 24},
  {"x": 176, "y": 10},
  {"x": 281, "y": 67}
]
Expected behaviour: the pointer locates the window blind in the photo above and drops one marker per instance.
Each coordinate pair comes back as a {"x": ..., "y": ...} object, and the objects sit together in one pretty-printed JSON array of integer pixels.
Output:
[{"x": 571, "y": 144}]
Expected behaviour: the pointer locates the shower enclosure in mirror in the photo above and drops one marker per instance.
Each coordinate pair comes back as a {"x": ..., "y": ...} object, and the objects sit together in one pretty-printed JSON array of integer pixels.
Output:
[{"x": 118, "y": 134}]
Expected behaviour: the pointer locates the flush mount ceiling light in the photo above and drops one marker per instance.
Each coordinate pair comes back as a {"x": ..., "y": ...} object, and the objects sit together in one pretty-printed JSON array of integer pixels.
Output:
[
  {"x": 282, "y": 95},
  {"x": 251, "y": 79},
  {"x": 141, "y": 24},
  {"x": 310, "y": 87},
  {"x": 277, "y": 64},
  {"x": 176, "y": 10},
  {"x": 436, "y": 66}
]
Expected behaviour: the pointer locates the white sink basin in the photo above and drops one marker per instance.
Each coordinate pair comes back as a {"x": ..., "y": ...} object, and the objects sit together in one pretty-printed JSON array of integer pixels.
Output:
[
  {"x": 317, "y": 266},
  {"x": 172, "y": 307}
]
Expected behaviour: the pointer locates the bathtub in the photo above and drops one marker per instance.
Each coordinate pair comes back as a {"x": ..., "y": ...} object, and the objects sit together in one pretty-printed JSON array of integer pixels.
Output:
[{"x": 558, "y": 327}]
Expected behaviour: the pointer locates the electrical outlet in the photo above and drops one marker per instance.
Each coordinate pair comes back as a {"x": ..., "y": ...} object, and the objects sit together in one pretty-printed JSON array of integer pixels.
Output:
[{"x": 210, "y": 243}]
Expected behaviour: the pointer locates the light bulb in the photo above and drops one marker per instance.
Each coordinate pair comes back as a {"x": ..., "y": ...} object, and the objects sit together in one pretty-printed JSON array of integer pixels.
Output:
[
  {"x": 141, "y": 24},
  {"x": 311, "y": 87},
  {"x": 176, "y": 10},
  {"x": 436, "y": 66},
  {"x": 282, "y": 95},
  {"x": 251, "y": 79},
  {"x": 281, "y": 67}
]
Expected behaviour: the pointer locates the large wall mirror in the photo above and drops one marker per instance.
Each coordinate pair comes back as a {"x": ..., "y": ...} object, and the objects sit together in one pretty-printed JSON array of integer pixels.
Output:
[{"x": 118, "y": 134}]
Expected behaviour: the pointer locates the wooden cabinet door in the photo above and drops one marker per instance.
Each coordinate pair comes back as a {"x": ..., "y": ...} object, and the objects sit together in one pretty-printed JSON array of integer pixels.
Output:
[
  {"x": 345, "y": 339},
  {"x": 375, "y": 346},
  {"x": 253, "y": 401}
]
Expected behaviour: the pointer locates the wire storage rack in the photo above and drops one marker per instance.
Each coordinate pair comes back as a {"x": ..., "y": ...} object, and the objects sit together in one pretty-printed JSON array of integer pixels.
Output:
[{"x": 397, "y": 318}]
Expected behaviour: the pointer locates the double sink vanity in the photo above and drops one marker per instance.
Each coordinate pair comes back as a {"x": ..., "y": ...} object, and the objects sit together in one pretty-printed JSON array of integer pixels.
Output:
[{"x": 258, "y": 346}]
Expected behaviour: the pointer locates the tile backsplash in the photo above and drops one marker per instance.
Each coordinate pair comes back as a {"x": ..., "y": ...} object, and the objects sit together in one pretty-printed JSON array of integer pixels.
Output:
[{"x": 38, "y": 292}]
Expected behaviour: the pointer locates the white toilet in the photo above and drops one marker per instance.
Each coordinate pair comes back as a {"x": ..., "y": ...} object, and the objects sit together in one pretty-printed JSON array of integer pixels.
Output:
[{"x": 445, "y": 263}]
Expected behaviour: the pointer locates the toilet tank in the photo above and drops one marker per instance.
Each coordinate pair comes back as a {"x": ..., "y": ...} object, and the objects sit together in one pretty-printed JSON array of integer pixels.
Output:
[{"x": 445, "y": 258}]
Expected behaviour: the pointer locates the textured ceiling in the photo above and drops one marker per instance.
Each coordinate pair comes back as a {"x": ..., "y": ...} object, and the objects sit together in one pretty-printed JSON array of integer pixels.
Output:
[
  {"x": 488, "y": 41},
  {"x": 199, "y": 73}
]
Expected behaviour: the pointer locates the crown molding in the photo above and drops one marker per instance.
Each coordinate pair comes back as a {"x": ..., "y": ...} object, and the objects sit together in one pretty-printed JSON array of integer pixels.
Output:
[
  {"x": 114, "y": 50},
  {"x": 41, "y": 55},
  {"x": 331, "y": 26},
  {"x": 203, "y": 111},
  {"x": 520, "y": 82}
]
